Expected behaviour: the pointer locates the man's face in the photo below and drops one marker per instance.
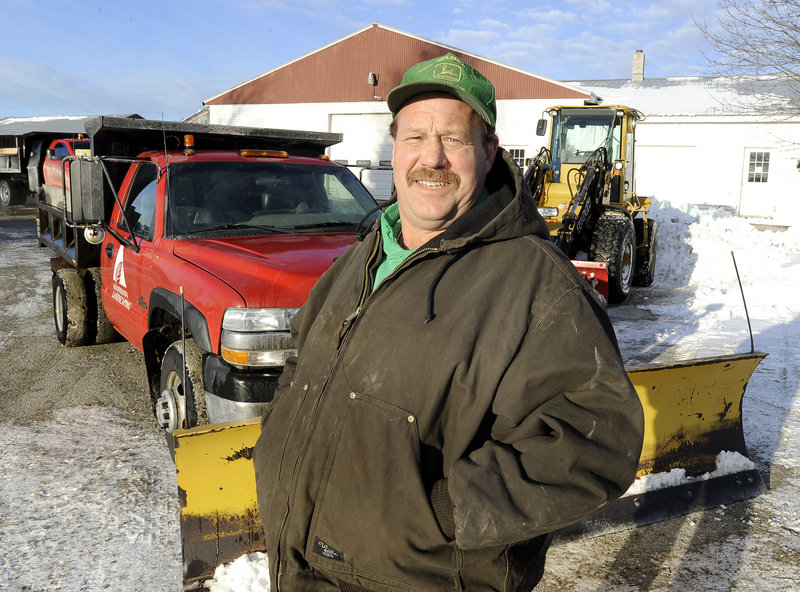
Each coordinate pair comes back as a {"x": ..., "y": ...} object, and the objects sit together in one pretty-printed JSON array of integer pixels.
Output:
[{"x": 440, "y": 161}]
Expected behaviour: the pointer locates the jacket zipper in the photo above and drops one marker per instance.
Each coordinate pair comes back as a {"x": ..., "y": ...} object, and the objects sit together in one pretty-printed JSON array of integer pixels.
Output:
[
  {"x": 347, "y": 325},
  {"x": 300, "y": 457}
]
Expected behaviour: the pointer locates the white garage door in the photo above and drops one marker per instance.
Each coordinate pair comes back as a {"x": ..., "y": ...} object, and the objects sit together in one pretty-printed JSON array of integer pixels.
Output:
[{"x": 366, "y": 138}]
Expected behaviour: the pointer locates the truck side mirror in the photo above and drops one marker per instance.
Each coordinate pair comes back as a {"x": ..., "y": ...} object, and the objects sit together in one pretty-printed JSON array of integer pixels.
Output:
[
  {"x": 541, "y": 127},
  {"x": 86, "y": 188}
]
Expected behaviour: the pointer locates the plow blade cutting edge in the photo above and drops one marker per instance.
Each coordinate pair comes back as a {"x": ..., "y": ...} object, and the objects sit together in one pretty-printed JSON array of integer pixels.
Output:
[{"x": 692, "y": 409}]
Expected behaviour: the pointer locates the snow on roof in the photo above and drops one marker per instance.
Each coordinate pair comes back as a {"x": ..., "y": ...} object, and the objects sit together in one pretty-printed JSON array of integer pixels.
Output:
[
  {"x": 693, "y": 95},
  {"x": 63, "y": 124}
]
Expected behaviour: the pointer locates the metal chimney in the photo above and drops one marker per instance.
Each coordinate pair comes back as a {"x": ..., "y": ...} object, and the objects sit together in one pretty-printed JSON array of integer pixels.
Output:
[{"x": 638, "y": 66}]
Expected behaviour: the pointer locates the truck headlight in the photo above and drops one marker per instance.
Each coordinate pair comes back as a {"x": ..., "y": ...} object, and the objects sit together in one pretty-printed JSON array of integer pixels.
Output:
[
  {"x": 257, "y": 337},
  {"x": 549, "y": 212}
]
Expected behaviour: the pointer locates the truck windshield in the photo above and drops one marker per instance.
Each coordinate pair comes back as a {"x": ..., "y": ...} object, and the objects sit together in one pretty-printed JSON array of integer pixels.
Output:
[
  {"x": 579, "y": 132},
  {"x": 238, "y": 197}
]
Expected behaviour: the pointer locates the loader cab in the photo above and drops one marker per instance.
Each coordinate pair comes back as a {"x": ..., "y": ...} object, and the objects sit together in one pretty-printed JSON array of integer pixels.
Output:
[{"x": 578, "y": 133}]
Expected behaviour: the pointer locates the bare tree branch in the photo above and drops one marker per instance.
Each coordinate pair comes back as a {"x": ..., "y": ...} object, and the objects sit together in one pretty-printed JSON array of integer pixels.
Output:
[{"x": 756, "y": 43}]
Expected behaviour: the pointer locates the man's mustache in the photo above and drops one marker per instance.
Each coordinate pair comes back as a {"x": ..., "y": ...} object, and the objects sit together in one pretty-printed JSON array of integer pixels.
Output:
[{"x": 433, "y": 175}]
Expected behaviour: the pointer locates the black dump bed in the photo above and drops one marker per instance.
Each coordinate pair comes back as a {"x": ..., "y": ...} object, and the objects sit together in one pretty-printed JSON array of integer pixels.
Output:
[{"x": 118, "y": 136}]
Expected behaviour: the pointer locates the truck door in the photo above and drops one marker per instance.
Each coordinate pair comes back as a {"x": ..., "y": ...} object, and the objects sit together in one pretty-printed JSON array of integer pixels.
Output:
[
  {"x": 51, "y": 172},
  {"x": 52, "y": 165},
  {"x": 127, "y": 263}
]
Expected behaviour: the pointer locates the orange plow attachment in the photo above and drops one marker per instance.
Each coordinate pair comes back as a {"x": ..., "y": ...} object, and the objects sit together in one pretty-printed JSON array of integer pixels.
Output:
[{"x": 596, "y": 274}]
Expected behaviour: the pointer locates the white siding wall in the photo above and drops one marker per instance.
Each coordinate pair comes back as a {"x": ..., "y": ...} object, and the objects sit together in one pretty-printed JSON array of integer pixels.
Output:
[{"x": 704, "y": 161}]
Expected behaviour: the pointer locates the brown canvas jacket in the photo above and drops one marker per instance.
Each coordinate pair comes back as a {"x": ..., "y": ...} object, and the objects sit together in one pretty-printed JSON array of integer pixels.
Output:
[{"x": 432, "y": 434}]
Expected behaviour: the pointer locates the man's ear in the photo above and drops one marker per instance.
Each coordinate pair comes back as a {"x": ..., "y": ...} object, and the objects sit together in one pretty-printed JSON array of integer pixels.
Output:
[{"x": 490, "y": 151}]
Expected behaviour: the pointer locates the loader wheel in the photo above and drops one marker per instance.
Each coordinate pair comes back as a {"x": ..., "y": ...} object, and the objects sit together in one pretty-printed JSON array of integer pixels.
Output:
[
  {"x": 645, "y": 255},
  {"x": 69, "y": 307},
  {"x": 100, "y": 328},
  {"x": 181, "y": 406},
  {"x": 613, "y": 244}
]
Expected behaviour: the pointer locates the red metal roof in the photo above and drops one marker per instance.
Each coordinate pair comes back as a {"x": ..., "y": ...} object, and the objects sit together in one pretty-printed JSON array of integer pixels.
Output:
[{"x": 339, "y": 73}]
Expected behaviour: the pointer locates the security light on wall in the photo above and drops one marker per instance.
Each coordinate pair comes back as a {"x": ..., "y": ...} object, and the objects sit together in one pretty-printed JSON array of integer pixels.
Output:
[{"x": 372, "y": 79}]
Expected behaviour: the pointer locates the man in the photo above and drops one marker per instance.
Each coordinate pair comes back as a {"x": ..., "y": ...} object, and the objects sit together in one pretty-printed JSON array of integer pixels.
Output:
[{"x": 458, "y": 394}]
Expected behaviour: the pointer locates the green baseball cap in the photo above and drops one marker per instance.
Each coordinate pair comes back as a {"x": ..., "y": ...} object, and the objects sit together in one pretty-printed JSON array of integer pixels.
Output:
[{"x": 449, "y": 74}]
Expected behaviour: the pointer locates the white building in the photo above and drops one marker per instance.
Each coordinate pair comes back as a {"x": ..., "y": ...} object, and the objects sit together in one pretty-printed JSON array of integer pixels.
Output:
[
  {"x": 710, "y": 141},
  {"x": 700, "y": 143}
]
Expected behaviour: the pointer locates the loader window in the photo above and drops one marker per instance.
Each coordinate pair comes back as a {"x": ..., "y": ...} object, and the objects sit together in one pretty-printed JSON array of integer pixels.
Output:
[{"x": 577, "y": 133}]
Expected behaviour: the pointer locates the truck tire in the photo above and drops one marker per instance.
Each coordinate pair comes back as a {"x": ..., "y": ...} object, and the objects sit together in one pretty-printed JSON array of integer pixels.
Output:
[
  {"x": 613, "y": 243},
  {"x": 69, "y": 307},
  {"x": 10, "y": 193},
  {"x": 181, "y": 406},
  {"x": 100, "y": 328},
  {"x": 646, "y": 254}
]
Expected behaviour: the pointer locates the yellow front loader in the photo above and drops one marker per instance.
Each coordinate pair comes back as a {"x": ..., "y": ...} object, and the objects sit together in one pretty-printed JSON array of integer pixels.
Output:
[
  {"x": 693, "y": 416},
  {"x": 584, "y": 184}
]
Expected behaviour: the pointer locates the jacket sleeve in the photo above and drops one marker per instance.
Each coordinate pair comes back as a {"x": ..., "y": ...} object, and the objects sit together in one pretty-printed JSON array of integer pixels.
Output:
[{"x": 566, "y": 434}]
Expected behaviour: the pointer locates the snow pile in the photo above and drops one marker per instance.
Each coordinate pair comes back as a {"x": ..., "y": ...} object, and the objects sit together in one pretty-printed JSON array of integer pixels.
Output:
[
  {"x": 728, "y": 463},
  {"x": 695, "y": 305},
  {"x": 248, "y": 572}
]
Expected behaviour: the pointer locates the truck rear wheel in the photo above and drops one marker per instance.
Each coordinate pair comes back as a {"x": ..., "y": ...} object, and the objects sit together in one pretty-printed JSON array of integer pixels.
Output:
[
  {"x": 100, "y": 328},
  {"x": 69, "y": 307},
  {"x": 10, "y": 193},
  {"x": 646, "y": 254},
  {"x": 613, "y": 243},
  {"x": 180, "y": 405}
]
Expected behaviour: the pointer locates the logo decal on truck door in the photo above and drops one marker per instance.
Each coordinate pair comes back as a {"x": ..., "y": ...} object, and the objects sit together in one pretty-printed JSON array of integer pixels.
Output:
[
  {"x": 119, "y": 269},
  {"x": 120, "y": 294}
]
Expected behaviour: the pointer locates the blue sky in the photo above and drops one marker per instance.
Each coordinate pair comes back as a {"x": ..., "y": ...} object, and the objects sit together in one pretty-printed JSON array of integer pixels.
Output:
[{"x": 163, "y": 58}]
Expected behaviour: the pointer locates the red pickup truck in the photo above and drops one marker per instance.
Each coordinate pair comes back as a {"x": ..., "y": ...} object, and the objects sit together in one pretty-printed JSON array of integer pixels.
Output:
[
  {"x": 54, "y": 176},
  {"x": 207, "y": 247}
]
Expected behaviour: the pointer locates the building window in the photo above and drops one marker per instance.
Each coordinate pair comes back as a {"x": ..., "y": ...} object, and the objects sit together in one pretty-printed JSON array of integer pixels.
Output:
[
  {"x": 518, "y": 154},
  {"x": 759, "y": 167}
]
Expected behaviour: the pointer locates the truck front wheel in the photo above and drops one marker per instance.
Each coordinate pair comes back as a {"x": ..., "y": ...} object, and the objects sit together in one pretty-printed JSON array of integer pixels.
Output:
[
  {"x": 613, "y": 242},
  {"x": 181, "y": 405},
  {"x": 69, "y": 307},
  {"x": 101, "y": 329}
]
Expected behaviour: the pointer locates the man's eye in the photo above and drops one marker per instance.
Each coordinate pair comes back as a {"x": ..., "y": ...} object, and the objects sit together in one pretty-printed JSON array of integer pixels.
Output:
[{"x": 452, "y": 141}]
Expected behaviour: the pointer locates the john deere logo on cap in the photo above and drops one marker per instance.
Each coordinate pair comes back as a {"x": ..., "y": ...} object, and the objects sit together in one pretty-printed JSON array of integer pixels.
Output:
[{"x": 447, "y": 71}]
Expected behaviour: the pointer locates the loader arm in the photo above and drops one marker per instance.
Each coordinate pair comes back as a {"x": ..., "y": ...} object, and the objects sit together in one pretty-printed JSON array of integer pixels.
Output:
[{"x": 692, "y": 409}]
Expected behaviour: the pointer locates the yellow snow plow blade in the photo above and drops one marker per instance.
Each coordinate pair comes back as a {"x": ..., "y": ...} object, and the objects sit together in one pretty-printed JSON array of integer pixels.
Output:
[
  {"x": 217, "y": 492},
  {"x": 693, "y": 412}
]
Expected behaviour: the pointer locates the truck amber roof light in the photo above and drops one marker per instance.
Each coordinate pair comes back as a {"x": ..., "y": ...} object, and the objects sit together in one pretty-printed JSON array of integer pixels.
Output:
[
  {"x": 264, "y": 153},
  {"x": 188, "y": 145},
  {"x": 324, "y": 157}
]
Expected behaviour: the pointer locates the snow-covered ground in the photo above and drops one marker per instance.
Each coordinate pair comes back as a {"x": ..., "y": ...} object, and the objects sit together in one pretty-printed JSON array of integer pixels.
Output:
[{"x": 88, "y": 502}]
